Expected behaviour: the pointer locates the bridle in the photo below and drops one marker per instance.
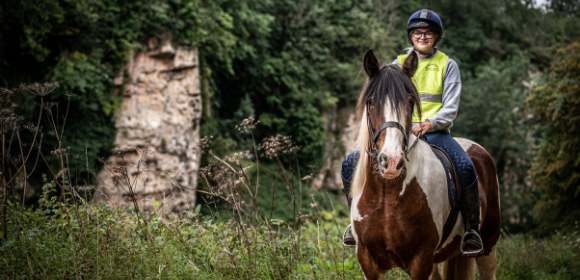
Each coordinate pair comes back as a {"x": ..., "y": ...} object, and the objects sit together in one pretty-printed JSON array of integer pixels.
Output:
[{"x": 374, "y": 153}]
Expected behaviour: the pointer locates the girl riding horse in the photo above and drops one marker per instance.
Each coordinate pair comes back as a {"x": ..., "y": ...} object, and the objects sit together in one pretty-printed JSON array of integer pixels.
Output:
[
  {"x": 399, "y": 199},
  {"x": 438, "y": 81}
]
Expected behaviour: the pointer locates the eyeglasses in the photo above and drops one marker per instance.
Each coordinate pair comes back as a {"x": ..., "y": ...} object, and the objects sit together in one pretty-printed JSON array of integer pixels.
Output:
[{"x": 418, "y": 34}]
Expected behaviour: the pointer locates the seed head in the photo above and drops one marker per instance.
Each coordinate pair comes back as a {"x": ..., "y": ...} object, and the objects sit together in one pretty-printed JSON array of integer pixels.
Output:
[
  {"x": 40, "y": 89},
  {"x": 273, "y": 146},
  {"x": 247, "y": 125}
]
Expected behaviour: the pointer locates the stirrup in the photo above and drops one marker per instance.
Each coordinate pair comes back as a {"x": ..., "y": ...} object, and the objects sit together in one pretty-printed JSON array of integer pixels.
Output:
[
  {"x": 344, "y": 235},
  {"x": 473, "y": 253}
]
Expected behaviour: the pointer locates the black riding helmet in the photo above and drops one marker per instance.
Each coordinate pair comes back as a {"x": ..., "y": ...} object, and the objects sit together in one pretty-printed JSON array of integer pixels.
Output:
[{"x": 425, "y": 19}]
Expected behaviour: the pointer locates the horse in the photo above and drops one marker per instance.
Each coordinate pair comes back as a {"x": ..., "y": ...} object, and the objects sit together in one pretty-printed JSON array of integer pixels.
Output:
[{"x": 399, "y": 190}]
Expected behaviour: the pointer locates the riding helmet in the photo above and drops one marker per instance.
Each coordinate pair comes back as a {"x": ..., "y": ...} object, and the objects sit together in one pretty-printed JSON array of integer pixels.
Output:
[{"x": 425, "y": 19}]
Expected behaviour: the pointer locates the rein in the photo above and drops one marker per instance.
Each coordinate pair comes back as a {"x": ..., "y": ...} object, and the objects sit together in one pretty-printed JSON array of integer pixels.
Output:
[{"x": 374, "y": 153}]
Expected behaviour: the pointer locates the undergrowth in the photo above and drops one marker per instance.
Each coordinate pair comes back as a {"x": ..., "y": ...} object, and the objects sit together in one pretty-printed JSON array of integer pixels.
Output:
[
  {"x": 554, "y": 257},
  {"x": 98, "y": 242}
]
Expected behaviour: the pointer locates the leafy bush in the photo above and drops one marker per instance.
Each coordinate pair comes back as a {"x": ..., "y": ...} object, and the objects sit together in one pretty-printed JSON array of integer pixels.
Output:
[{"x": 556, "y": 168}]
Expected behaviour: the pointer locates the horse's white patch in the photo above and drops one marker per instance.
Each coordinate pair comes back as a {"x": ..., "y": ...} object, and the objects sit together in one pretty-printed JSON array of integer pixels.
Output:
[
  {"x": 355, "y": 214},
  {"x": 427, "y": 169},
  {"x": 394, "y": 138},
  {"x": 465, "y": 143}
]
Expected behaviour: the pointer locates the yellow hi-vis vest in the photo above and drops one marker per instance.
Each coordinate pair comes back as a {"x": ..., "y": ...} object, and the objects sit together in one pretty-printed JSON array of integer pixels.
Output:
[{"x": 428, "y": 80}]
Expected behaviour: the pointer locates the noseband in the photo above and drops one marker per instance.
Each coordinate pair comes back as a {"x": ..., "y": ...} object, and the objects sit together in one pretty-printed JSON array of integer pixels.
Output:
[{"x": 374, "y": 137}]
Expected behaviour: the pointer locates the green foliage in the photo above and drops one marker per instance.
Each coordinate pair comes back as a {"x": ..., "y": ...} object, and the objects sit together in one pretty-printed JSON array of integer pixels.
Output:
[
  {"x": 102, "y": 243},
  {"x": 556, "y": 105},
  {"x": 265, "y": 181},
  {"x": 295, "y": 60},
  {"x": 554, "y": 257},
  {"x": 503, "y": 129}
]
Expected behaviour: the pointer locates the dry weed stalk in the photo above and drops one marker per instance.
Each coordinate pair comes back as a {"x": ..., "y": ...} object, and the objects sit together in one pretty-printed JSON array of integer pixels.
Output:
[
  {"x": 15, "y": 166},
  {"x": 227, "y": 177}
]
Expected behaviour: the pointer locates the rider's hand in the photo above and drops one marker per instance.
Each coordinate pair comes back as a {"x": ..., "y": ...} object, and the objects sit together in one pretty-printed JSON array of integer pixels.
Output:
[{"x": 422, "y": 128}]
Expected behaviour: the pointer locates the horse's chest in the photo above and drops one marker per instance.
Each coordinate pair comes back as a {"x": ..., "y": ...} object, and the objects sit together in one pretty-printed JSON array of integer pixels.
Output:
[{"x": 395, "y": 221}]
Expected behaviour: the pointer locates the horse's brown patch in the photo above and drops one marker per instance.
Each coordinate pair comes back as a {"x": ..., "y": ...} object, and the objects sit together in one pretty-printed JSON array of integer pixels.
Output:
[{"x": 396, "y": 230}]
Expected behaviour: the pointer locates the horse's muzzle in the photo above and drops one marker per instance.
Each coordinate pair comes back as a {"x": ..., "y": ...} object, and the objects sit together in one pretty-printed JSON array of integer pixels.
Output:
[{"x": 385, "y": 163}]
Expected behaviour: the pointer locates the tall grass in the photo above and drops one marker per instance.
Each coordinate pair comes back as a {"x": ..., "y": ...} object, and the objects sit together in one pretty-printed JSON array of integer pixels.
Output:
[
  {"x": 553, "y": 257},
  {"x": 110, "y": 244}
]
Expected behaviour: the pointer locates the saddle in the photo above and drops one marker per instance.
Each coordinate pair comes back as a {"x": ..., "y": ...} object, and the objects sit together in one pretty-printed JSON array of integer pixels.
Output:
[
  {"x": 453, "y": 190},
  {"x": 453, "y": 184}
]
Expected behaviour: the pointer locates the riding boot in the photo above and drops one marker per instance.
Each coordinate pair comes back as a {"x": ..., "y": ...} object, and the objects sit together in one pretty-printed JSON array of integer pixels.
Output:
[
  {"x": 471, "y": 244},
  {"x": 347, "y": 237}
]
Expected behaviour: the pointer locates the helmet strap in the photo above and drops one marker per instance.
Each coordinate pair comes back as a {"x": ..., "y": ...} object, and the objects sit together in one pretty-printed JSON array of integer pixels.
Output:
[{"x": 426, "y": 53}]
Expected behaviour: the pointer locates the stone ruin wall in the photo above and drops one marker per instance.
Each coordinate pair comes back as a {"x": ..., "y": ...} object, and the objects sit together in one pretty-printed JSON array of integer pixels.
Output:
[
  {"x": 160, "y": 117},
  {"x": 157, "y": 130}
]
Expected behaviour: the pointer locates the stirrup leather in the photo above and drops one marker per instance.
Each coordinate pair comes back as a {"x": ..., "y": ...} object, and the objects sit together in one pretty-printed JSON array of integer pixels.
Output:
[
  {"x": 477, "y": 238},
  {"x": 344, "y": 235}
]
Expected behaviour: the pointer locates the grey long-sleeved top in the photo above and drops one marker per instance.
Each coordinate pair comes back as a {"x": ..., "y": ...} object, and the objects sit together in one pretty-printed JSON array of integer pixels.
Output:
[{"x": 443, "y": 120}]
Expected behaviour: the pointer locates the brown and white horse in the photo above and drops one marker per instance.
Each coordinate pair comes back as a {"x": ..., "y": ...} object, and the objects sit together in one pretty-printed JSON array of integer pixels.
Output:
[{"x": 399, "y": 192}]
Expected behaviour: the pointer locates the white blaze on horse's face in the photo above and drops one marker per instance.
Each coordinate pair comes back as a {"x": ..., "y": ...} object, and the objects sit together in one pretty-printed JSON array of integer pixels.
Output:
[{"x": 392, "y": 146}]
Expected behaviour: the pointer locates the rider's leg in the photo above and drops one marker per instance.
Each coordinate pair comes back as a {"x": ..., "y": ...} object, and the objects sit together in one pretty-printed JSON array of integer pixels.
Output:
[
  {"x": 347, "y": 171},
  {"x": 472, "y": 244}
]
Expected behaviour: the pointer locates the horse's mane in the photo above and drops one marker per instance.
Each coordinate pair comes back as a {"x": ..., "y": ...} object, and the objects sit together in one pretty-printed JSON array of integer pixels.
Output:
[{"x": 390, "y": 81}]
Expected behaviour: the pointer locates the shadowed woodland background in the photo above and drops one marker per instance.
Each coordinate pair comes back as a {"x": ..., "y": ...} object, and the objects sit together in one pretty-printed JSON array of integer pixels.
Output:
[{"x": 295, "y": 67}]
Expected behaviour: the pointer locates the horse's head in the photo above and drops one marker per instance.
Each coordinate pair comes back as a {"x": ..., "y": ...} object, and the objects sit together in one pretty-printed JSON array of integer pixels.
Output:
[{"x": 386, "y": 106}]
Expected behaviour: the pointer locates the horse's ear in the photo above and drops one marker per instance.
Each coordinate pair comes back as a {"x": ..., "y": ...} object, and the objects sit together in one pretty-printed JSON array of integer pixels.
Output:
[
  {"x": 371, "y": 63},
  {"x": 410, "y": 64}
]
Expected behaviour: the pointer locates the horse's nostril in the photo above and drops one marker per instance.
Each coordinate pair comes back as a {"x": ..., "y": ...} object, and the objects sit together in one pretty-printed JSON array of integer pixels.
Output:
[
  {"x": 383, "y": 161},
  {"x": 400, "y": 165},
  {"x": 383, "y": 158}
]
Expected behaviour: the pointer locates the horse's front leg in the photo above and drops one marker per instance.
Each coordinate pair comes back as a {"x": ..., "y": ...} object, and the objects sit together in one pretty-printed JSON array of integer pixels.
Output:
[
  {"x": 369, "y": 267},
  {"x": 421, "y": 267}
]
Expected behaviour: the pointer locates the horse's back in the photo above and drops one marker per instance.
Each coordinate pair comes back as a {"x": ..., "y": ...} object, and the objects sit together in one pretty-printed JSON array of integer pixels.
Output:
[{"x": 489, "y": 190}]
